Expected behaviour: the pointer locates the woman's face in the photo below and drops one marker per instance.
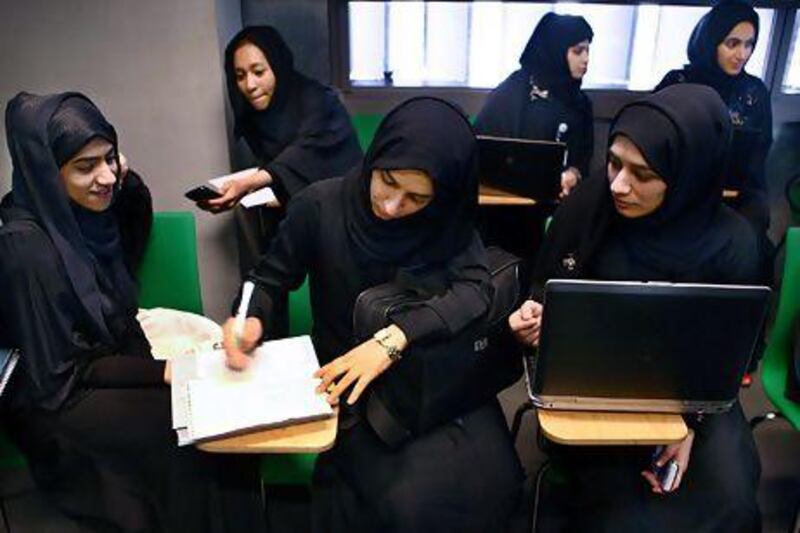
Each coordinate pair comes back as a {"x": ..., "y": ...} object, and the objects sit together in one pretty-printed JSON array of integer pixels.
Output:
[
  {"x": 254, "y": 76},
  {"x": 399, "y": 193},
  {"x": 578, "y": 59},
  {"x": 736, "y": 48},
  {"x": 89, "y": 177},
  {"x": 636, "y": 188}
]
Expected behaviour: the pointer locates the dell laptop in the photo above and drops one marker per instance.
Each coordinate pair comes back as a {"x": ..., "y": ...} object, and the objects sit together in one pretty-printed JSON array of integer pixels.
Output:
[{"x": 644, "y": 347}]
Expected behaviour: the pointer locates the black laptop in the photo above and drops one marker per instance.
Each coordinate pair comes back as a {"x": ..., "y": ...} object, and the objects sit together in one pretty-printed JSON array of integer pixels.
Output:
[
  {"x": 648, "y": 347},
  {"x": 521, "y": 166}
]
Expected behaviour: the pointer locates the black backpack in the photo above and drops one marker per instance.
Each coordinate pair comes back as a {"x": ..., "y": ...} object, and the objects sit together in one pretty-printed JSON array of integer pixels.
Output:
[{"x": 437, "y": 382}]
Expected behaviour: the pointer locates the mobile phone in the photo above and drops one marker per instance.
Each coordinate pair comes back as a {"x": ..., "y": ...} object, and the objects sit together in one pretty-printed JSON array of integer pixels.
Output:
[
  {"x": 203, "y": 193},
  {"x": 666, "y": 473}
]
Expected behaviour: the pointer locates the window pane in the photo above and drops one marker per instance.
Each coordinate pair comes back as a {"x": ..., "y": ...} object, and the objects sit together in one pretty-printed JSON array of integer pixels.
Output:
[
  {"x": 446, "y": 41},
  {"x": 367, "y": 38},
  {"x": 791, "y": 81},
  {"x": 479, "y": 43},
  {"x": 662, "y": 35},
  {"x": 407, "y": 42},
  {"x": 611, "y": 46}
]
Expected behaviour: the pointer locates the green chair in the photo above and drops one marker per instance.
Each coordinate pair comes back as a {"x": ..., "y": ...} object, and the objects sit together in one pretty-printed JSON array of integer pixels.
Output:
[
  {"x": 292, "y": 469},
  {"x": 776, "y": 363},
  {"x": 169, "y": 276}
]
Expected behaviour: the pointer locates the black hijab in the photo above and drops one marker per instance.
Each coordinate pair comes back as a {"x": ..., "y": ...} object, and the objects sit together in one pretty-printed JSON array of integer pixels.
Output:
[
  {"x": 710, "y": 31},
  {"x": 545, "y": 55},
  {"x": 281, "y": 61},
  {"x": 305, "y": 134},
  {"x": 434, "y": 136},
  {"x": 684, "y": 134},
  {"x": 44, "y": 132}
]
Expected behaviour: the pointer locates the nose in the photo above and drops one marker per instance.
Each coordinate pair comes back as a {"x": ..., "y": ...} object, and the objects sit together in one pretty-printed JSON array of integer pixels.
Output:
[
  {"x": 106, "y": 176},
  {"x": 250, "y": 82},
  {"x": 393, "y": 206},
  {"x": 620, "y": 184}
]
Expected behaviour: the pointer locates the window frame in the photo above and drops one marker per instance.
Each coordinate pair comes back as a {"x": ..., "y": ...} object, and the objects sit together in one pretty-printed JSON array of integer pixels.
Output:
[{"x": 379, "y": 98}]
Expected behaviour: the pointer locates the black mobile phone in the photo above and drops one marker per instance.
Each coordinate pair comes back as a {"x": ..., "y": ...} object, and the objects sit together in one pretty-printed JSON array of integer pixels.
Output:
[{"x": 203, "y": 193}]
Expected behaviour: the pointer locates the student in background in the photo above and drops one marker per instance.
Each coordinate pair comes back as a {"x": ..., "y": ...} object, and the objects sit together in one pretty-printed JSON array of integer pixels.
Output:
[
  {"x": 543, "y": 100},
  {"x": 719, "y": 49},
  {"x": 659, "y": 217},
  {"x": 297, "y": 129},
  {"x": 406, "y": 215},
  {"x": 88, "y": 405}
]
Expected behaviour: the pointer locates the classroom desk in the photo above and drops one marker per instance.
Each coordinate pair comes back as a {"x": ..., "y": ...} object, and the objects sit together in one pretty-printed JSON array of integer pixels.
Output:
[
  {"x": 488, "y": 195},
  {"x": 309, "y": 437},
  {"x": 585, "y": 428}
]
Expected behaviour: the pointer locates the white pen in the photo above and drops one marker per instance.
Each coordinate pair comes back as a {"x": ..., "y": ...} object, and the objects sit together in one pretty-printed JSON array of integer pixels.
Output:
[{"x": 241, "y": 313}]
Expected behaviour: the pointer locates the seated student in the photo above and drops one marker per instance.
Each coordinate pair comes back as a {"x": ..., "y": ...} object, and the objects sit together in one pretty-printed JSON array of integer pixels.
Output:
[
  {"x": 540, "y": 99},
  {"x": 719, "y": 48},
  {"x": 658, "y": 217},
  {"x": 406, "y": 214},
  {"x": 88, "y": 405}
]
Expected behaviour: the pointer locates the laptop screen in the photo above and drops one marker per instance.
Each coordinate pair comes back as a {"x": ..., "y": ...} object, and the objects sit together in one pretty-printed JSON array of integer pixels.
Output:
[{"x": 647, "y": 341}]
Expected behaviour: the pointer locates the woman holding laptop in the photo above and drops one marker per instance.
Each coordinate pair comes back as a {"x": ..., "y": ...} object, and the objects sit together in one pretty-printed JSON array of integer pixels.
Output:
[{"x": 658, "y": 217}]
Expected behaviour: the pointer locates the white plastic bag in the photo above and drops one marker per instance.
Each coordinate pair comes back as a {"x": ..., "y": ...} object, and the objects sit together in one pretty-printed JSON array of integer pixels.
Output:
[{"x": 173, "y": 333}]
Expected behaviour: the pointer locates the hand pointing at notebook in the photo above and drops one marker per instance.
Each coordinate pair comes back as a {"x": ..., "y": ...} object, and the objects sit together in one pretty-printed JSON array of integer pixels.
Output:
[{"x": 526, "y": 322}]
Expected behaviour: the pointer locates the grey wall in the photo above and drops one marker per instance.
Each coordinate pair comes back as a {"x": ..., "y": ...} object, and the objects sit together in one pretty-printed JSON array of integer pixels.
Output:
[
  {"x": 304, "y": 25},
  {"x": 154, "y": 69}
]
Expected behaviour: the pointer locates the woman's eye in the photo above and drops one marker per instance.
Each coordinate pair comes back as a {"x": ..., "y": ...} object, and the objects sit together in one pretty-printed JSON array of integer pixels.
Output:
[
  {"x": 84, "y": 168},
  {"x": 388, "y": 180}
]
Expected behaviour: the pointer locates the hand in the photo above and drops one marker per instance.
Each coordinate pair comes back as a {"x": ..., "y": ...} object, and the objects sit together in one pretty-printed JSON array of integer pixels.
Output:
[
  {"x": 233, "y": 191},
  {"x": 680, "y": 452},
  {"x": 168, "y": 372},
  {"x": 361, "y": 365},
  {"x": 236, "y": 350},
  {"x": 526, "y": 322},
  {"x": 569, "y": 179},
  {"x": 123, "y": 167}
]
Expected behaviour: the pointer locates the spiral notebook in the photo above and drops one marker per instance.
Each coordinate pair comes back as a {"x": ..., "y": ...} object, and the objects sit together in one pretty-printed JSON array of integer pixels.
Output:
[{"x": 277, "y": 389}]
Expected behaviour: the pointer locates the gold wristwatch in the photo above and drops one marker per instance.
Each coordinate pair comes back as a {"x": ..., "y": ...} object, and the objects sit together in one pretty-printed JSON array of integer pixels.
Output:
[{"x": 383, "y": 337}]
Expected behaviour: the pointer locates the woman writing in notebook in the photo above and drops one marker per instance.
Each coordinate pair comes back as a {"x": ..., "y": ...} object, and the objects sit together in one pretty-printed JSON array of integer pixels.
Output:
[
  {"x": 658, "y": 217},
  {"x": 88, "y": 405},
  {"x": 405, "y": 215},
  {"x": 543, "y": 100}
]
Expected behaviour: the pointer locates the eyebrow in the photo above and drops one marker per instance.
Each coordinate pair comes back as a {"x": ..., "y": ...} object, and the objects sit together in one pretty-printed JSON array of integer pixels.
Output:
[
  {"x": 635, "y": 166},
  {"x": 92, "y": 158},
  {"x": 420, "y": 194}
]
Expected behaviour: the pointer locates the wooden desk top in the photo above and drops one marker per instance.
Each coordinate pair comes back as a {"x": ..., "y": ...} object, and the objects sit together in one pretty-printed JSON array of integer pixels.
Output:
[
  {"x": 309, "y": 437},
  {"x": 585, "y": 428},
  {"x": 730, "y": 193},
  {"x": 488, "y": 195}
]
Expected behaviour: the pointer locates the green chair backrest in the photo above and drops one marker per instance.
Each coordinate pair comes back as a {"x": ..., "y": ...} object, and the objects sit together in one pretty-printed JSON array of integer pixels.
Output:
[
  {"x": 169, "y": 276},
  {"x": 300, "y": 320},
  {"x": 777, "y": 357}
]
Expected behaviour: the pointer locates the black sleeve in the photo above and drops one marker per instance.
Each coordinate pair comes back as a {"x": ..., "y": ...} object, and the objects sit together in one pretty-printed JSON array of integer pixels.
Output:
[
  {"x": 467, "y": 298},
  {"x": 580, "y": 155},
  {"x": 325, "y": 146},
  {"x": 754, "y": 204},
  {"x": 133, "y": 208},
  {"x": 285, "y": 265},
  {"x": 496, "y": 117},
  {"x": 119, "y": 371}
]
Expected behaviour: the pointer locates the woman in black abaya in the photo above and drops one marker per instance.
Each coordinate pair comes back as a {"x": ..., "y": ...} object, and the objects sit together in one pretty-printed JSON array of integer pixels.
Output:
[
  {"x": 544, "y": 96},
  {"x": 719, "y": 48},
  {"x": 88, "y": 405},
  {"x": 659, "y": 217},
  {"x": 405, "y": 215}
]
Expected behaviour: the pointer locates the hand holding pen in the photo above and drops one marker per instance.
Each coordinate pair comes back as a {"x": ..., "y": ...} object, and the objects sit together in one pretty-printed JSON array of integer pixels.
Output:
[{"x": 241, "y": 334}]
